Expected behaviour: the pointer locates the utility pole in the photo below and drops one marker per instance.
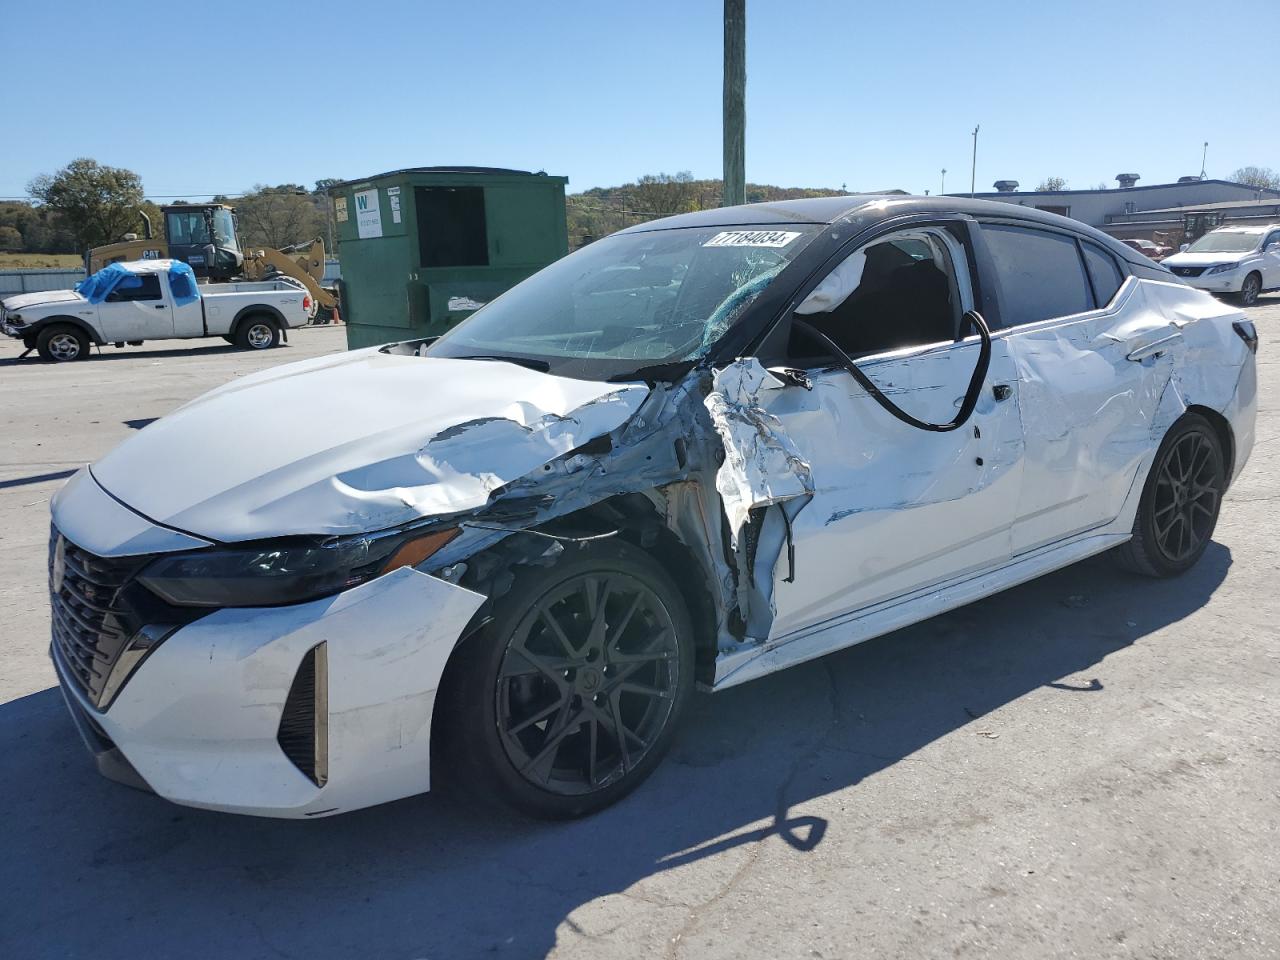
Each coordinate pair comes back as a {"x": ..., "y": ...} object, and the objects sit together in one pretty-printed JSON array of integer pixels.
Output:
[
  {"x": 1203, "y": 155},
  {"x": 943, "y": 188},
  {"x": 735, "y": 93},
  {"x": 973, "y": 171}
]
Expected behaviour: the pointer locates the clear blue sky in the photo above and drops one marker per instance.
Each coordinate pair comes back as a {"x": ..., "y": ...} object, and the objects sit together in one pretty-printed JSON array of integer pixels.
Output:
[{"x": 206, "y": 98}]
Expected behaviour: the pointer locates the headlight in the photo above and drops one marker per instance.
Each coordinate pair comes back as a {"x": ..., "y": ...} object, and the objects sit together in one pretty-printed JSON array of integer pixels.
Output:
[
  {"x": 284, "y": 571},
  {"x": 1222, "y": 268}
]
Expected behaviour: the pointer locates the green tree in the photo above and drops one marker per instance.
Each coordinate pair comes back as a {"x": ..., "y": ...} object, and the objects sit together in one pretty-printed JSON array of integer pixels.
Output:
[
  {"x": 96, "y": 202},
  {"x": 10, "y": 240},
  {"x": 1053, "y": 183},
  {"x": 1263, "y": 177}
]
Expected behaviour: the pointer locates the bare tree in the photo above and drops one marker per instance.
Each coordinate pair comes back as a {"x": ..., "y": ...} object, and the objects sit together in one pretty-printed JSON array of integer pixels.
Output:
[
  {"x": 1263, "y": 177},
  {"x": 1053, "y": 183},
  {"x": 278, "y": 216}
]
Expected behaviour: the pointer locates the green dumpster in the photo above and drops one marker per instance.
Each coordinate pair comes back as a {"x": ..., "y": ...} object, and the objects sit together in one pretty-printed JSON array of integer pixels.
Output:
[{"x": 423, "y": 248}]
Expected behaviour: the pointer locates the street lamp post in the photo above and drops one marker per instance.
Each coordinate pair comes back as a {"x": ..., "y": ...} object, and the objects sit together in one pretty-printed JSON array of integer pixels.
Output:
[
  {"x": 943, "y": 188},
  {"x": 973, "y": 171},
  {"x": 1204, "y": 154}
]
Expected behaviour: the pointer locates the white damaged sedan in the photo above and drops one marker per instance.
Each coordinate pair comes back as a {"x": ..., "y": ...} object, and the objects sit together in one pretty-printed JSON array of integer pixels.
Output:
[{"x": 697, "y": 451}]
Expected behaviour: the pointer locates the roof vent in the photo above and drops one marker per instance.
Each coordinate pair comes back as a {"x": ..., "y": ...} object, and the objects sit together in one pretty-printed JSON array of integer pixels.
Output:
[
  {"x": 1192, "y": 179},
  {"x": 1127, "y": 179},
  {"x": 1006, "y": 186}
]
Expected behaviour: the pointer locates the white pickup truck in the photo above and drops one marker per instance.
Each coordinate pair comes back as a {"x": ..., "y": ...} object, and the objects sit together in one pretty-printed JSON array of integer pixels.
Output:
[{"x": 152, "y": 300}]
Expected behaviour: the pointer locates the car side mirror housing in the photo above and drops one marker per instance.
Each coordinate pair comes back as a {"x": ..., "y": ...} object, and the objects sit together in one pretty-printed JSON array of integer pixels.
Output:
[{"x": 1183, "y": 248}]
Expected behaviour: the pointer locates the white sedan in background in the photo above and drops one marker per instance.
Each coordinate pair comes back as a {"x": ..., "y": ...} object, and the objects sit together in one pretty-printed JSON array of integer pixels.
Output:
[
  {"x": 697, "y": 451},
  {"x": 1244, "y": 261}
]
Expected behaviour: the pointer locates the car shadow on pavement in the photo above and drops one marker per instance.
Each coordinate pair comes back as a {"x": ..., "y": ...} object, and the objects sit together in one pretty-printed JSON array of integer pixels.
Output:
[
  {"x": 93, "y": 868},
  {"x": 113, "y": 354}
]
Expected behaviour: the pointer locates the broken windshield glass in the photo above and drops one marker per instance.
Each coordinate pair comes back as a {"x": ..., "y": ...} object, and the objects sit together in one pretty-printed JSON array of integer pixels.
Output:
[{"x": 632, "y": 300}]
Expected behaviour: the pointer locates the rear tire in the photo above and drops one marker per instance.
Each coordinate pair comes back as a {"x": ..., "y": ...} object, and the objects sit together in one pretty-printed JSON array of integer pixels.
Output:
[
  {"x": 569, "y": 697},
  {"x": 1180, "y": 501},
  {"x": 257, "y": 333},
  {"x": 62, "y": 343}
]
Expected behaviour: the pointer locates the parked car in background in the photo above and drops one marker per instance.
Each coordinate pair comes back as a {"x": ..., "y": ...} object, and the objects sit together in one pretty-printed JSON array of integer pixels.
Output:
[
  {"x": 141, "y": 300},
  {"x": 702, "y": 449},
  {"x": 1240, "y": 260},
  {"x": 1149, "y": 249}
]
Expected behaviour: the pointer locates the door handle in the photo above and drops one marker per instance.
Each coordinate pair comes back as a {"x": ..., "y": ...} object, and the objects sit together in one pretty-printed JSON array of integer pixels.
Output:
[
  {"x": 1153, "y": 349},
  {"x": 159, "y": 306},
  {"x": 1002, "y": 391}
]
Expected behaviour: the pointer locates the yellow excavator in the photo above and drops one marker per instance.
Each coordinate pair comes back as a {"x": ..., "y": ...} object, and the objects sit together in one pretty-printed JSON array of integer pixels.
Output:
[{"x": 203, "y": 235}]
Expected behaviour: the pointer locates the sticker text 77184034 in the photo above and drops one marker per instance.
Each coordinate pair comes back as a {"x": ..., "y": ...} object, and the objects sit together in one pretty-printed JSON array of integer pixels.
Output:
[{"x": 752, "y": 238}]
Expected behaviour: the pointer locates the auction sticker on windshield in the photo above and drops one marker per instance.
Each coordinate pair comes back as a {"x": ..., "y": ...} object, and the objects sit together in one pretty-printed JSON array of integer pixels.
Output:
[{"x": 752, "y": 238}]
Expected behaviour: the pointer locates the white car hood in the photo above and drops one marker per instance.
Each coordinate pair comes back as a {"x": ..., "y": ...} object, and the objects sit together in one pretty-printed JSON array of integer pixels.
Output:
[
  {"x": 1203, "y": 259},
  {"x": 40, "y": 299},
  {"x": 355, "y": 442}
]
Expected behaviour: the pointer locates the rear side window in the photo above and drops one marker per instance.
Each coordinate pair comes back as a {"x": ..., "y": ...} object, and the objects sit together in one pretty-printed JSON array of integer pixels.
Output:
[
  {"x": 1041, "y": 275},
  {"x": 1103, "y": 272}
]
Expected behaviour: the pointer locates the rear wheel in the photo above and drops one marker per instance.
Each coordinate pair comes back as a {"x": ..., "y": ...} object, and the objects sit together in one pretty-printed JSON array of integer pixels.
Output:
[
  {"x": 258, "y": 333},
  {"x": 1250, "y": 289},
  {"x": 568, "y": 699},
  {"x": 62, "y": 343},
  {"x": 1180, "y": 502}
]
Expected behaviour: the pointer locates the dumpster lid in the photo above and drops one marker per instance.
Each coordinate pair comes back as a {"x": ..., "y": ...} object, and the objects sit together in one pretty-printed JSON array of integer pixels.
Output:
[{"x": 499, "y": 171}]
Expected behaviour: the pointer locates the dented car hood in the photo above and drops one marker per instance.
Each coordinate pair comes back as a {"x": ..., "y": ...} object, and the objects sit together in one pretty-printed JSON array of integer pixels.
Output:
[{"x": 355, "y": 442}]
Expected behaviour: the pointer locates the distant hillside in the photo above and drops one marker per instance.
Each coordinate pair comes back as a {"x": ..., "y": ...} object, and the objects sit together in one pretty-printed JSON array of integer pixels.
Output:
[{"x": 600, "y": 211}]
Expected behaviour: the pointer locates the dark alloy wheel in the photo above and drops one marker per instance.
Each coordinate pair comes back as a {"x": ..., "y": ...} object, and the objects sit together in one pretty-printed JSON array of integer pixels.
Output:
[
  {"x": 1180, "y": 502},
  {"x": 1250, "y": 289},
  {"x": 574, "y": 691}
]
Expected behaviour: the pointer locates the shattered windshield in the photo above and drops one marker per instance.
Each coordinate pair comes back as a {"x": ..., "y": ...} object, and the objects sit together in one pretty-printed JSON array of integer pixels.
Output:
[
  {"x": 1225, "y": 243},
  {"x": 632, "y": 300}
]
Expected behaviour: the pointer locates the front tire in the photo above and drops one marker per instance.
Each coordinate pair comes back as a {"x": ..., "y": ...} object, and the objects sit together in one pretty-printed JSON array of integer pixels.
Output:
[
  {"x": 258, "y": 333},
  {"x": 1180, "y": 501},
  {"x": 567, "y": 700},
  {"x": 62, "y": 343},
  {"x": 1250, "y": 289}
]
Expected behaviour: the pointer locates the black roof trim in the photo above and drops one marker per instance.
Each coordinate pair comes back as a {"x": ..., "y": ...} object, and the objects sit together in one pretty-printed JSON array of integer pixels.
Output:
[{"x": 829, "y": 210}]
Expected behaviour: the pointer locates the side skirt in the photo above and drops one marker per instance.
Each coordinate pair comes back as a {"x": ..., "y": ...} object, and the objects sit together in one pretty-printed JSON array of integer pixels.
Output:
[{"x": 749, "y": 664}]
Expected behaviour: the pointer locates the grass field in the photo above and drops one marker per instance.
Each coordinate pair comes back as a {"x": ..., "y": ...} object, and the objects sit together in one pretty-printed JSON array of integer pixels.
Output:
[{"x": 37, "y": 261}]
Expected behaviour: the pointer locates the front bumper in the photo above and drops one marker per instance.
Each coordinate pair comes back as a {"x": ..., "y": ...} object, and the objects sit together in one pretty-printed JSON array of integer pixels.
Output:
[
  {"x": 1216, "y": 283},
  {"x": 13, "y": 330},
  {"x": 198, "y": 721}
]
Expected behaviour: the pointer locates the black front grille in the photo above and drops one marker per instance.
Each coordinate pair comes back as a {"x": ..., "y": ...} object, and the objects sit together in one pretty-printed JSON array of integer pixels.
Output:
[
  {"x": 1188, "y": 271},
  {"x": 91, "y": 624}
]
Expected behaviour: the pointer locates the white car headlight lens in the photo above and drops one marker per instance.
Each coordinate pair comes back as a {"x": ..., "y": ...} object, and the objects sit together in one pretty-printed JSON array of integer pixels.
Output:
[{"x": 1222, "y": 268}]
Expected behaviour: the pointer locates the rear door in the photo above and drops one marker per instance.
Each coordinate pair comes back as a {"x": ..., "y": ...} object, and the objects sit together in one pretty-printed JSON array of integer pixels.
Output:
[
  {"x": 138, "y": 311},
  {"x": 1093, "y": 359}
]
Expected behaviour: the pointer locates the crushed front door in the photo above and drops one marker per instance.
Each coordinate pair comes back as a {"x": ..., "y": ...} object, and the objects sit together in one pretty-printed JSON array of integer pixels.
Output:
[{"x": 896, "y": 509}]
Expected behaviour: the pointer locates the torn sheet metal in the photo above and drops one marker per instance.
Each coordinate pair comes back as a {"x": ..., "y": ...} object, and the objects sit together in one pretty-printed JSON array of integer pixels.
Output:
[
  {"x": 761, "y": 465},
  {"x": 364, "y": 441}
]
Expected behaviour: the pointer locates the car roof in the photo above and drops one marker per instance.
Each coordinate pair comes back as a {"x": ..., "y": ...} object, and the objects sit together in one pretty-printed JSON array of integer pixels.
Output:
[
  {"x": 830, "y": 210},
  {"x": 1245, "y": 228}
]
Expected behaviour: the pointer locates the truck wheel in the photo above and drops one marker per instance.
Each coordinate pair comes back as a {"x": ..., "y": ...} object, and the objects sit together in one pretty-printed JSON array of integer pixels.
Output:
[
  {"x": 257, "y": 333},
  {"x": 61, "y": 343}
]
